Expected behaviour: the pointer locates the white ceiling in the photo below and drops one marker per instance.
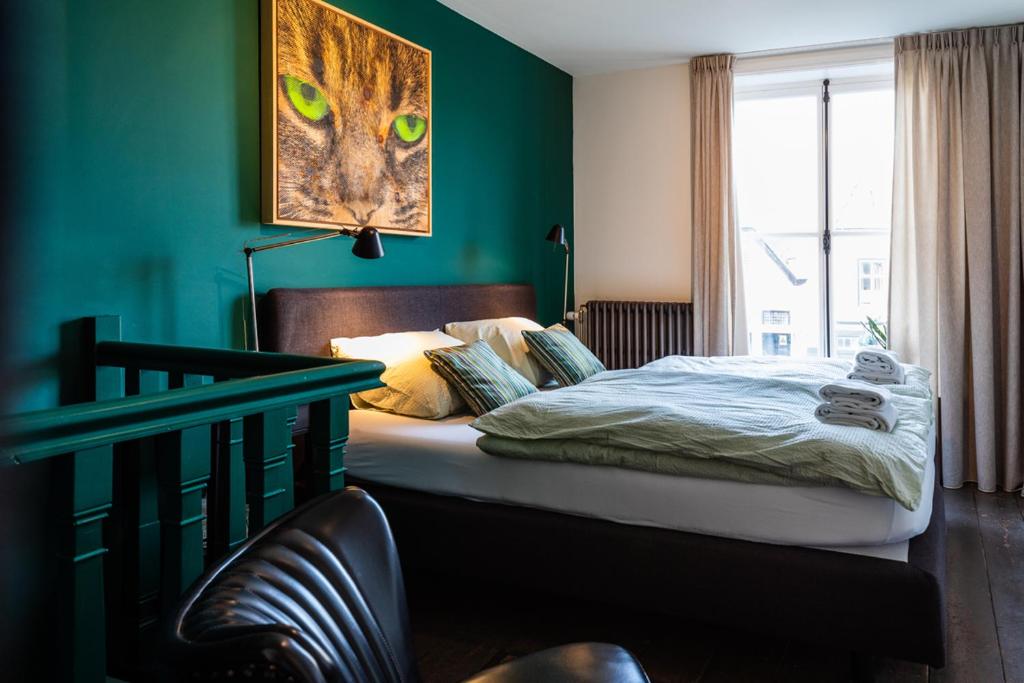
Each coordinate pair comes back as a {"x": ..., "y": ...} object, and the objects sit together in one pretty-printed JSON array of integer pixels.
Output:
[{"x": 597, "y": 36}]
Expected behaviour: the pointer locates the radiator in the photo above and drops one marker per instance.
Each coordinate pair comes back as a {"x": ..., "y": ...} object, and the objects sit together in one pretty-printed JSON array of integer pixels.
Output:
[{"x": 627, "y": 334}]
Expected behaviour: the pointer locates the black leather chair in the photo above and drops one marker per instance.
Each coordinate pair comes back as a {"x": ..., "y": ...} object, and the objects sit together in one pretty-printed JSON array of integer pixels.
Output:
[{"x": 318, "y": 596}]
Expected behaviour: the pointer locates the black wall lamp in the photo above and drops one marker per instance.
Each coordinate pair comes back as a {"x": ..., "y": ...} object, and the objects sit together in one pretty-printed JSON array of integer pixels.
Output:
[
  {"x": 367, "y": 246},
  {"x": 557, "y": 235}
]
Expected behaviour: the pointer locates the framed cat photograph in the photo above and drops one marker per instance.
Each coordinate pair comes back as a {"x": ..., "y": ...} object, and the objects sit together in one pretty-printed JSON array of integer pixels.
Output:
[{"x": 345, "y": 122}]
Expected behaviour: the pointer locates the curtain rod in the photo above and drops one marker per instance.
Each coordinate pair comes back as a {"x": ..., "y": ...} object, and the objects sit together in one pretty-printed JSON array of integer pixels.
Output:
[{"x": 868, "y": 42}]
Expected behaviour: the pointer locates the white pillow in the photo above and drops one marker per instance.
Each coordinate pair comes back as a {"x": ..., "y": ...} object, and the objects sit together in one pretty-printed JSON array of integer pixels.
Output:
[
  {"x": 390, "y": 348},
  {"x": 413, "y": 387},
  {"x": 505, "y": 336}
]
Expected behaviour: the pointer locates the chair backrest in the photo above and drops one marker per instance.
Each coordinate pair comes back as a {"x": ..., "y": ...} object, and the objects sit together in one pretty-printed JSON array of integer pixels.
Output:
[{"x": 317, "y": 596}]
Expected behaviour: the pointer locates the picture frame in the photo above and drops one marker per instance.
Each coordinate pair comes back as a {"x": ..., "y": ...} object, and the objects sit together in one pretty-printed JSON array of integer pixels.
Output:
[{"x": 345, "y": 126}]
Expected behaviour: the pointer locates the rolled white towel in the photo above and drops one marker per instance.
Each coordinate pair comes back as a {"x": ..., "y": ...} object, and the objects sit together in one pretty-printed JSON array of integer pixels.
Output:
[
  {"x": 883, "y": 420},
  {"x": 854, "y": 395},
  {"x": 877, "y": 362},
  {"x": 897, "y": 377}
]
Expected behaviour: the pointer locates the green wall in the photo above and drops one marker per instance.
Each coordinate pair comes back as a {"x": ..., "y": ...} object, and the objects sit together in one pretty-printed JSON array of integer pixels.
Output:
[{"x": 140, "y": 177}]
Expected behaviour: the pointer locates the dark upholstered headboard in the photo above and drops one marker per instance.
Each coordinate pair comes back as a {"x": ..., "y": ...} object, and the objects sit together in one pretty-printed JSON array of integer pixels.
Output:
[{"x": 303, "y": 321}]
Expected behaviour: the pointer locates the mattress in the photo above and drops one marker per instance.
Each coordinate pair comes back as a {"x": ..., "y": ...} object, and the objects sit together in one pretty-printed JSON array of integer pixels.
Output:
[{"x": 441, "y": 457}]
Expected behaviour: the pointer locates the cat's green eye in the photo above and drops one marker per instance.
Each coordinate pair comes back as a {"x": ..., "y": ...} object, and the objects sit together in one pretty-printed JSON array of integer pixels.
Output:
[
  {"x": 306, "y": 98},
  {"x": 409, "y": 127}
]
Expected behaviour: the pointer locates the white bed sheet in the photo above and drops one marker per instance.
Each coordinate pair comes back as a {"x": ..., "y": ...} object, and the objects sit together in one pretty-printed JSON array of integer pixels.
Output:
[{"x": 442, "y": 457}]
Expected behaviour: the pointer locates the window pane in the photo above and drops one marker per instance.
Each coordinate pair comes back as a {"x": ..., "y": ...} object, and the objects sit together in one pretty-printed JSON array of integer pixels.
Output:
[
  {"x": 862, "y": 144},
  {"x": 776, "y": 154},
  {"x": 776, "y": 158},
  {"x": 862, "y": 141}
]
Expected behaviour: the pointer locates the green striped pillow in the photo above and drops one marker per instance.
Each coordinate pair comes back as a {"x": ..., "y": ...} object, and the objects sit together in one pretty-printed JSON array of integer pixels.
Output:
[
  {"x": 483, "y": 379},
  {"x": 563, "y": 355}
]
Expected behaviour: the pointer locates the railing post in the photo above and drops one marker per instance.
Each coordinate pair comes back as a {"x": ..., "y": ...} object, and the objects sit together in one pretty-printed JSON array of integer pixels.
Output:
[
  {"x": 136, "y": 563},
  {"x": 84, "y": 480},
  {"x": 270, "y": 488},
  {"x": 183, "y": 471},
  {"x": 226, "y": 500},
  {"x": 328, "y": 434}
]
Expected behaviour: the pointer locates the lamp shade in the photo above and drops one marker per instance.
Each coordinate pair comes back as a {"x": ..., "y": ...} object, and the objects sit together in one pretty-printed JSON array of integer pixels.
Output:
[
  {"x": 556, "y": 234},
  {"x": 368, "y": 244}
]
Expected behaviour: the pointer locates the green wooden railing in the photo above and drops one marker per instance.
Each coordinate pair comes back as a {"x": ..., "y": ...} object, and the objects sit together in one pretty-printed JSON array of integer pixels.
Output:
[{"x": 172, "y": 441}]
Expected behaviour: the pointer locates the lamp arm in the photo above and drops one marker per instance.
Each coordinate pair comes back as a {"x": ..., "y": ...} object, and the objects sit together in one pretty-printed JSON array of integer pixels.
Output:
[
  {"x": 325, "y": 235},
  {"x": 249, "y": 251},
  {"x": 252, "y": 300}
]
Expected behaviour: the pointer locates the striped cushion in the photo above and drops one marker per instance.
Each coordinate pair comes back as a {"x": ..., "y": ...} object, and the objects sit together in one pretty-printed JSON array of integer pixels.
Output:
[
  {"x": 563, "y": 355},
  {"x": 483, "y": 379}
]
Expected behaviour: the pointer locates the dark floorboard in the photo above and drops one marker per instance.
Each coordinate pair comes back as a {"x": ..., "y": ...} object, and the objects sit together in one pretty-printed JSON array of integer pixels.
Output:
[
  {"x": 465, "y": 627},
  {"x": 973, "y": 646},
  {"x": 1002, "y": 537}
]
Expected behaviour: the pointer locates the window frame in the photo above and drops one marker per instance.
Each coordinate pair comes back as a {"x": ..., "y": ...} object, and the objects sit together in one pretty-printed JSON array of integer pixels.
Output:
[{"x": 870, "y": 74}]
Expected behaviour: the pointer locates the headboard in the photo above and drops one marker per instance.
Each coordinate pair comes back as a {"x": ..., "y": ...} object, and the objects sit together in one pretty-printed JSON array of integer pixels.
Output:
[{"x": 303, "y": 321}]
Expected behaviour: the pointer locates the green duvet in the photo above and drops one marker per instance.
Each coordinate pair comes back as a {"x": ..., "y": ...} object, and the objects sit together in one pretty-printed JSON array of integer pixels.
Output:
[{"x": 741, "y": 418}]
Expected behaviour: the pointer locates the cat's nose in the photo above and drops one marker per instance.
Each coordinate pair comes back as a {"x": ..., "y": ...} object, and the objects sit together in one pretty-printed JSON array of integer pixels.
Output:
[{"x": 362, "y": 217}]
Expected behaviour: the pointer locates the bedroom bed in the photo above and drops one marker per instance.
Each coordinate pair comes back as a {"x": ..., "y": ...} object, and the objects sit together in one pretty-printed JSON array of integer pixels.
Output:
[
  {"x": 823, "y": 564},
  {"x": 442, "y": 457}
]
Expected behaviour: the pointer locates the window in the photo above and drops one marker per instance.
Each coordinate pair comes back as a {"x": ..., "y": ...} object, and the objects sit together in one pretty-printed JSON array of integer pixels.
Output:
[
  {"x": 871, "y": 273},
  {"x": 813, "y": 168},
  {"x": 847, "y": 343},
  {"x": 775, "y": 344},
  {"x": 775, "y": 318}
]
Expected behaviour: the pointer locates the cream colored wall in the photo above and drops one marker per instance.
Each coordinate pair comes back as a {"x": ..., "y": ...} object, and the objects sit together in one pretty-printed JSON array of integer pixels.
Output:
[{"x": 631, "y": 174}]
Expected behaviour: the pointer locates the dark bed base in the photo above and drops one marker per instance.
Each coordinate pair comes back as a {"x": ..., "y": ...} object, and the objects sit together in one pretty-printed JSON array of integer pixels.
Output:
[{"x": 862, "y": 604}]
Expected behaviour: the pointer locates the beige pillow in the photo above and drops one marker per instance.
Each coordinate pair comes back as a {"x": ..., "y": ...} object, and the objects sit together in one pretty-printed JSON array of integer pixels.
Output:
[
  {"x": 413, "y": 387},
  {"x": 505, "y": 337}
]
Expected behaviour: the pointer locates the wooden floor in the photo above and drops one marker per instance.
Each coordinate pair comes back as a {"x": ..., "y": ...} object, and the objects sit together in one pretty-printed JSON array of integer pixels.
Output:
[{"x": 461, "y": 629}]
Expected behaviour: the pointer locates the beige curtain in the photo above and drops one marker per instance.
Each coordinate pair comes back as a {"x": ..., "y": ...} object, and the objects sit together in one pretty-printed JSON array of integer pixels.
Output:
[
  {"x": 956, "y": 284},
  {"x": 720, "y": 327}
]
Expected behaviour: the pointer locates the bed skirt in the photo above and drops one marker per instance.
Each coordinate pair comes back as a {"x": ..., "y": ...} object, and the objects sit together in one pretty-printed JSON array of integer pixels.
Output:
[{"x": 866, "y": 605}]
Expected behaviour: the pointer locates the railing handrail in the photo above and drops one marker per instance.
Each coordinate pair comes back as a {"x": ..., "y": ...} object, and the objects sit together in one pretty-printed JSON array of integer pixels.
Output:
[
  {"x": 41, "y": 434},
  {"x": 198, "y": 360}
]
